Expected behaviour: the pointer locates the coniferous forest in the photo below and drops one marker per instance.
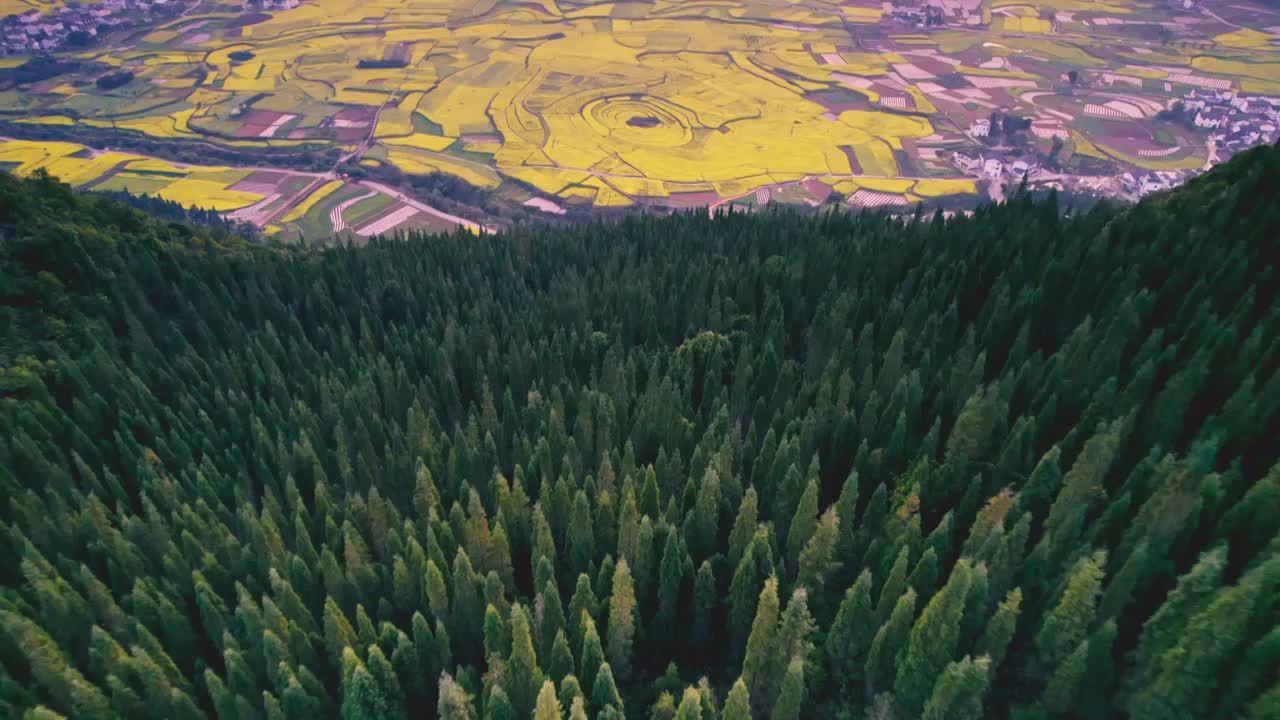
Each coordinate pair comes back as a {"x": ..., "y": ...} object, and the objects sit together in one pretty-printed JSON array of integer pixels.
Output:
[{"x": 1019, "y": 464}]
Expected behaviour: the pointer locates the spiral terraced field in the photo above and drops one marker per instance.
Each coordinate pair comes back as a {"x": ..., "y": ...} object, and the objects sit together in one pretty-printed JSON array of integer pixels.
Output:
[{"x": 669, "y": 101}]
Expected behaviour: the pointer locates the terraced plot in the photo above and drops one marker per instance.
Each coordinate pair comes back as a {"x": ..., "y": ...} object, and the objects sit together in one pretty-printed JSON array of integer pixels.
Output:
[{"x": 616, "y": 104}]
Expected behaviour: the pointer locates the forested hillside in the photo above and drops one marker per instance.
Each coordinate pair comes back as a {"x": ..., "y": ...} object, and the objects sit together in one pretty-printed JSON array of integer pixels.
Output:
[{"x": 1022, "y": 464}]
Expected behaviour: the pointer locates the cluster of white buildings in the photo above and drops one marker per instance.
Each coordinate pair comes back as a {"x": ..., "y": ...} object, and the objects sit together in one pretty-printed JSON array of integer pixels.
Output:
[
  {"x": 34, "y": 32},
  {"x": 1236, "y": 122},
  {"x": 996, "y": 168}
]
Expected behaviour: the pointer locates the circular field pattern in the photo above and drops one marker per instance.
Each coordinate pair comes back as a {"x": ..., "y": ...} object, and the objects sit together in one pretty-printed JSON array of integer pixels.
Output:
[{"x": 640, "y": 120}]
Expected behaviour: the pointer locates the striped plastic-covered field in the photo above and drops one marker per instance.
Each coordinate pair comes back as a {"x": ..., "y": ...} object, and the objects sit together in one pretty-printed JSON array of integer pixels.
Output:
[
  {"x": 871, "y": 199},
  {"x": 388, "y": 222},
  {"x": 1204, "y": 82}
]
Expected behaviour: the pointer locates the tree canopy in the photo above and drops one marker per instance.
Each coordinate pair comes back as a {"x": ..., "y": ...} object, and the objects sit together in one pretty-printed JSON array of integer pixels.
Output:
[{"x": 1018, "y": 463}]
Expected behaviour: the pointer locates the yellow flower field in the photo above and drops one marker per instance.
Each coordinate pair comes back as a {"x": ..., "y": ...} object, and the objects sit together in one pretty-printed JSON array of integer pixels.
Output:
[
  {"x": 201, "y": 186},
  {"x": 305, "y": 206},
  {"x": 613, "y": 101}
]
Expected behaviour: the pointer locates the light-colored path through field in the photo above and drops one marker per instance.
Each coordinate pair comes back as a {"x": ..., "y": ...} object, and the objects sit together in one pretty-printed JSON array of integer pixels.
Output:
[
  {"x": 388, "y": 222},
  {"x": 255, "y": 212},
  {"x": 386, "y": 190},
  {"x": 335, "y": 215}
]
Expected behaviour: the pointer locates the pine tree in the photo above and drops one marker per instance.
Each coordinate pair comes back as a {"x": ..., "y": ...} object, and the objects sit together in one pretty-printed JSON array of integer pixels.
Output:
[
  {"x": 544, "y": 542},
  {"x": 796, "y": 626},
  {"x": 705, "y": 601},
  {"x": 604, "y": 693},
  {"x": 702, "y": 526},
  {"x": 497, "y": 634},
  {"x": 803, "y": 524},
  {"x": 384, "y": 675},
  {"x": 744, "y": 527},
  {"x": 592, "y": 654},
  {"x": 551, "y": 618},
  {"x": 995, "y": 639},
  {"x": 581, "y": 543},
  {"x": 436, "y": 592},
  {"x": 932, "y": 641},
  {"x": 764, "y": 657},
  {"x": 499, "y": 706},
  {"x": 548, "y": 705},
  {"x": 816, "y": 562},
  {"x": 738, "y": 704},
  {"x": 1098, "y": 683},
  {"x": 1082, "y": 484},
  {"x": 790, "y": 702},
  {"x": 846, "y": 508},
  {"x": 959, "y": 691},
  {"x": 70, "y": 691},
  {"x": 973, "y": 427},
  {"x": 454, "y": 702},
  {"x": 338, "y": 633},
  {"x": 1064, "y": 682},
  {"x": 522, "y": 676},
  {"x": 1186, "y": 674},
  {"x": 851, "y": 634},
  {"x": 583, "y": 600},
  {"x": 1036, "y": 494},
  {"x": 894, "y": 584},
  {"x": 888, "y": 644},
  {"x": 1067, "y": 624},
  {"x": 690, "y": 706},
  {"x": 642, "y": 568},
  {"x": 560, "y": 663},
  {"x": 664, "y": 708},
  {"x": 570, "y": 691},
  {"x": 670, "y": 581},
  {"x": 924, "y": 577},
  {"x": 628, "y": 526},
  {"x": 621, "y": 628},
  {"x": 362, "y": 698},
  {"x": 467, "y": 618},
  {"x": 650, "y": 498},
  {"x": 743, "y": 597},
  {"x": 182, "y": 707}
]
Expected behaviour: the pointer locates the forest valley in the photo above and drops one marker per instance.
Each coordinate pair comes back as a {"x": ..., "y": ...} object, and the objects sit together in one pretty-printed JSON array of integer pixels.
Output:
[{"x": 1020, "y": 464}]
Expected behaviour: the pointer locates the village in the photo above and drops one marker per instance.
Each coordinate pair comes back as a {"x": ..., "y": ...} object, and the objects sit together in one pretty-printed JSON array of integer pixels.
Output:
[
  {"x": 1229, "y": 122},
  {"x": 75, "y": 26},
  {"x": 894, "y": 103}
]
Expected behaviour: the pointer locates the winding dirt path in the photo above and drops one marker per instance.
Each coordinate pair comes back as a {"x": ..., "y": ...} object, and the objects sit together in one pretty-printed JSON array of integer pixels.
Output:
[{"x": 411, "y": 202}]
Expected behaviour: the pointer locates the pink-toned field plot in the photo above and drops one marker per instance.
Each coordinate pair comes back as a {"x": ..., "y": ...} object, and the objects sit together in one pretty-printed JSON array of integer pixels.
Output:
[
  {"x": 873, "y": 199},
  {"x": 261, "y": 182},
  {"x": 912, "y": 72},
  {"x": 545, "y": 205}
]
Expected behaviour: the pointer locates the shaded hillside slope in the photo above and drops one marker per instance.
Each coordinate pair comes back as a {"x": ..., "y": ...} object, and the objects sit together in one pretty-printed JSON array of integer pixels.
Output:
[{"x": 773, "y": 466}]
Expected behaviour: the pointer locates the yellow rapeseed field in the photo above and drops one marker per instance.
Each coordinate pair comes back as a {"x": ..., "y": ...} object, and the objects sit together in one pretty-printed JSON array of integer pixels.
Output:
[
  {"x": 1247, "y": 38},
  {"x": 423, "y": 163},
  {"x": 305, "y": 206},
  {"x": 604, "y": 103},
  {"x": 205, "y": 186},
  {"x": 421, "y": 141},
  {"x": 935, "y": 187},
  {"x": 208, "y": 194}
]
